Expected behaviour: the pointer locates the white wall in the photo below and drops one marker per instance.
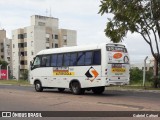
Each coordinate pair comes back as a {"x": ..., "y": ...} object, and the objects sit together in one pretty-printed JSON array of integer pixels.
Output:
[
  {"x": 71, "y": 38},
  {"x": 39, "y": 38}
]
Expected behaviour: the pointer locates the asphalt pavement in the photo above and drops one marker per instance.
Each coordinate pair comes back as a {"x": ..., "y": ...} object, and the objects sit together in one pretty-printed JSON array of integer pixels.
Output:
[{"x": 24, "y": 98}]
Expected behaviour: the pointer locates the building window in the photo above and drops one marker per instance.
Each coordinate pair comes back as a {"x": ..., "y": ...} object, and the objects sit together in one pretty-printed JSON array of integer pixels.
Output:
[
  {"x": 25, "y": 44},
  {"x": 47, "y": 47},
  {"x": 41, "y": 23},
  {"x": 56, "y": 37},
  {"x": 23, "y": 62},
  {"x": 8, "y": 46},
  {"x": 21, "y": 53},
  {"x": 1, "y": 45},
  {"x": 56, "y": 45},
  {"x": 2, "y": 50},
  {"x": 13, "y": 46},
  {"x": 20, "y": 36},
  {"x": 47, "y": 40},
  {"x": 25, "y": 35},
  {"x": 32, "y": 53},
  {"x": 25, "y": 53},
  {"x": 31, "y": 34},
  {"x": 8, "y": 58},
  {"x": 20, "y": 45},
  {"x": 2, "y": 56}
]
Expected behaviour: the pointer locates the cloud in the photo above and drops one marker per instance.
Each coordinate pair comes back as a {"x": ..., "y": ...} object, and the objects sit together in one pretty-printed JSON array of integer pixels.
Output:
[{"x": 80, "y": 15}]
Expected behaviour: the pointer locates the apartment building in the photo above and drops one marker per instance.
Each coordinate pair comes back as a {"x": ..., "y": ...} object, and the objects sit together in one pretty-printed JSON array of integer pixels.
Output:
[
  {"x": 4, "y": 47},
  {"x": 2, "y": 37},
  {"x": 43, "y": 33}
]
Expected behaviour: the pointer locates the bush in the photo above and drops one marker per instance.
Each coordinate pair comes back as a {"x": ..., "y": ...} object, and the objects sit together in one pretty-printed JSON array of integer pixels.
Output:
[
  {"x": 136, "y": 75},
  {"x": 149, "y": 76},
  {"x": 24, "y": 75}
]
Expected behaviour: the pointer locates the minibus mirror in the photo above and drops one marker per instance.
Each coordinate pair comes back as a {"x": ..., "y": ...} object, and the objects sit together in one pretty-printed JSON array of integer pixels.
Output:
[{"x": 31, "y": 64}]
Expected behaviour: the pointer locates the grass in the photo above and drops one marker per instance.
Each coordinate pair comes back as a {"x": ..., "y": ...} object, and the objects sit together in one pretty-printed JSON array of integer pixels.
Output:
[{"x": 14, "y": 82}]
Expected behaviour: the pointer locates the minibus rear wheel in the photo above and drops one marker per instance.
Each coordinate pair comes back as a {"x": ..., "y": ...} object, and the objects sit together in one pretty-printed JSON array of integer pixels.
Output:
[{"x": 75, "y": 88}]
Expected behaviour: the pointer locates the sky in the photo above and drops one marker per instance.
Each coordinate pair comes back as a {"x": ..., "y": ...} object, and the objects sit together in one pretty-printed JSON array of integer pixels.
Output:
[{"x": 79, "y": 15}]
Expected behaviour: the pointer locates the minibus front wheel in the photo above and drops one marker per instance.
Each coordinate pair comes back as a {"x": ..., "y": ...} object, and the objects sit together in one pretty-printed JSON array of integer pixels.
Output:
[{"x": 38, "y": 86}]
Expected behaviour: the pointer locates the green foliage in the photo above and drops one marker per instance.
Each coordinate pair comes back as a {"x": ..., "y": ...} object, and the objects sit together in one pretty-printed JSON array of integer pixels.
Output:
[
  {"x": 24, "y": 75},
  {"x": 129, "y": 15},
  {"x": 136, "y": 75},
  {"x": 149, "y": 76},
  {"x": 136, "y": 16},
  {"x": 4, "y": 64}
]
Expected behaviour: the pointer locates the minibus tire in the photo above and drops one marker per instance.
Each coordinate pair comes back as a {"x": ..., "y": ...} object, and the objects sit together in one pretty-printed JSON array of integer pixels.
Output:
[
  {"x": 38, "y": 86},
  {"x": 75, "y": 88}
]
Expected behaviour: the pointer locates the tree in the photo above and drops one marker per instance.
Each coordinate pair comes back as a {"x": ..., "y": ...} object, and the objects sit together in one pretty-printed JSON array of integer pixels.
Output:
[
  {"x": 25, "y": 75},
  {"x": 136, "y": 16},
  {"x": 136, "y": 75},
  {"x": 4, "y": 64}
]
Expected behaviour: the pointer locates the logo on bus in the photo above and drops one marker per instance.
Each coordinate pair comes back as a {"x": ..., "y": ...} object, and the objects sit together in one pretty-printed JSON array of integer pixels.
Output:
[
  {"x": 91, "y": 74},
  {"x": 117, "y": 55}
]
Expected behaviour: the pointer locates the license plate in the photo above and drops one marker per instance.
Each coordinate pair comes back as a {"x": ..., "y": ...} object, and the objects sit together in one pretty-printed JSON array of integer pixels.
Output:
[{"x": 115, "y": 70}]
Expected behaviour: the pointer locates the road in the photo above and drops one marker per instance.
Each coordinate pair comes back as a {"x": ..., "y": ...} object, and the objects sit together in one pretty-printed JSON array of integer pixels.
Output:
[{"x": 24, "y": 98}]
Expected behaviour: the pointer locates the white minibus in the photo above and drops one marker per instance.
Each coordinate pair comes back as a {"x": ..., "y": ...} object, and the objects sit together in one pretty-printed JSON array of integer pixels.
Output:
[{"x": 81, "y": 68}]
